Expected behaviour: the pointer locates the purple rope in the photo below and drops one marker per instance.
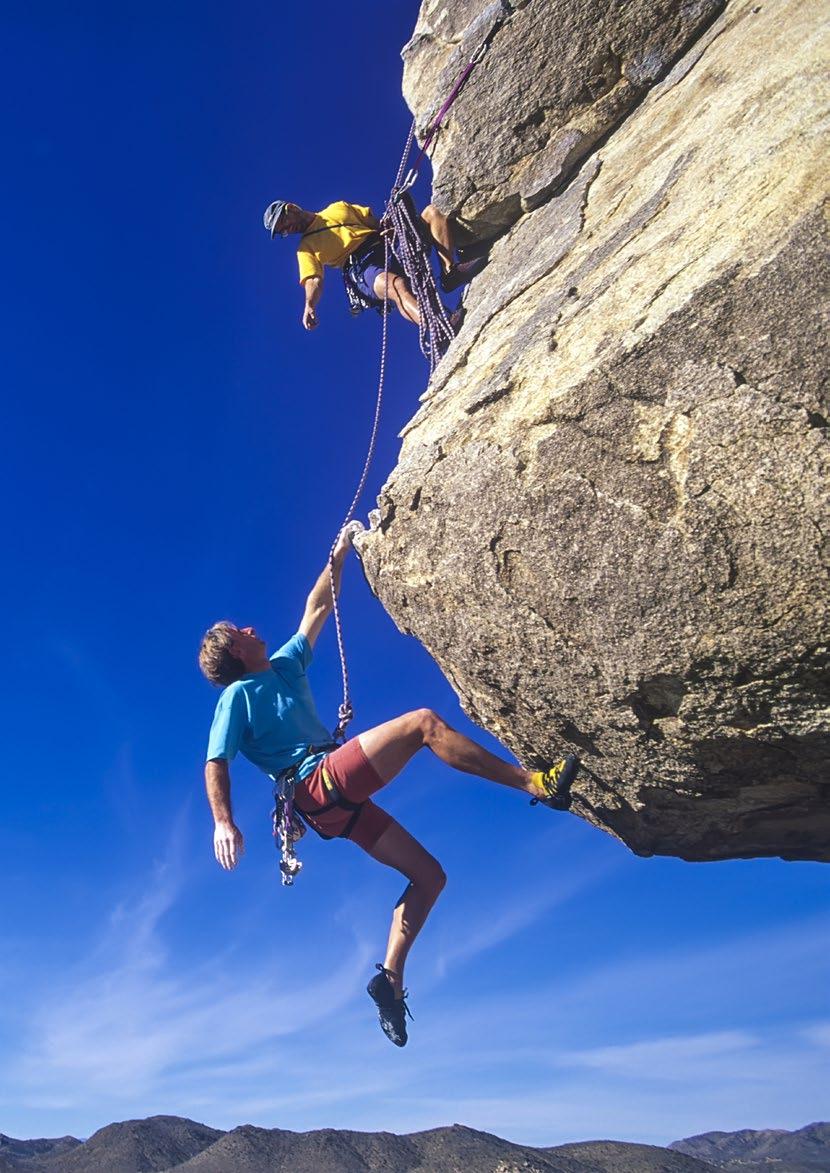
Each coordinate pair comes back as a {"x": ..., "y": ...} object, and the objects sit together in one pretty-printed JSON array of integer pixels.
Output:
[
  {"x": 458, "y": 87},
  {"x": 435, "y": 331},
  {"x": 439, "y": 117}
]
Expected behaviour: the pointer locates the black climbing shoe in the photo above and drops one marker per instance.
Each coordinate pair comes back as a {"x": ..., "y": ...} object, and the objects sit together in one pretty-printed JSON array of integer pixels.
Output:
[
  {"x": 557, "y": 783},
  {"x": 461, "y": 273},
  {"x": 392, "y": 1011}
]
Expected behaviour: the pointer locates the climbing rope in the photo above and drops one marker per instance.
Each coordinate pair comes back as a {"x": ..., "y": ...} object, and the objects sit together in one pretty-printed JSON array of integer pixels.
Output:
[
  {"x": 346, "y": 711},
  {"x": 435, "y": 330}
]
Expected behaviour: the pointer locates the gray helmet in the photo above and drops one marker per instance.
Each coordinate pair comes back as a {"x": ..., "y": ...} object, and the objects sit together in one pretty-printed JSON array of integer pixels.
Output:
[{"x": 272, "y": 215}]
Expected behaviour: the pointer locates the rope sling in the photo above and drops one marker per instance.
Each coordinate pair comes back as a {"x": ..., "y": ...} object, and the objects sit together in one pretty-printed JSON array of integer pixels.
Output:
[{"x": 435, "y": 334}]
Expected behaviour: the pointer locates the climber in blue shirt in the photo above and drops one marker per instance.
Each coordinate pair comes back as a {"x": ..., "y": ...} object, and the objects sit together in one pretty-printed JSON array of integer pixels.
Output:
[{"x": 267, "y": 713}]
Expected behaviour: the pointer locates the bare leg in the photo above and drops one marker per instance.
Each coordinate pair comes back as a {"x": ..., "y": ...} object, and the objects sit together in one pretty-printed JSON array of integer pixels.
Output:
[
  {"x": 441, "y": 233},
  {"x": 398, "y": 849},
  {"x": 400, "y": 293},
  {"x": 390, "y": 746}
]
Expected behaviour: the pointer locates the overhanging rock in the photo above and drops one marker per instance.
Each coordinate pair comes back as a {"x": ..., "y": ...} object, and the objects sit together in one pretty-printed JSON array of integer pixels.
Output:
[{"x": 608, "y": 519}]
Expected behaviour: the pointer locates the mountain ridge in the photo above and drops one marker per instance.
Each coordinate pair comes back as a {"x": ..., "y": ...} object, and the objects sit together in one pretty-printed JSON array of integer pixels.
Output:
[{"x": 175, "y": 1144}]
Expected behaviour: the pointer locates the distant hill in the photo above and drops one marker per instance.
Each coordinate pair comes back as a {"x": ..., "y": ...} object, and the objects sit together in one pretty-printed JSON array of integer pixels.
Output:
[
  {"x": 171, "y": 1144},
  {"x": 161, "y": 1144},
  {"x": 153, "y": 1145},
  {"x": 12, "y": 1151},
  {"x": 616, "y": 1156},
  {"x": 763, "y": 1150}
]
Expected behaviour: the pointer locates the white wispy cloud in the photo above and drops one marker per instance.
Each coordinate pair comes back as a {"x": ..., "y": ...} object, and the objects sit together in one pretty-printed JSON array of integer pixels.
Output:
[
  {"x": 131, "y": 1019},
  {"x": 817, "y": 1033},
  {"x": 675, "y": 1057}
]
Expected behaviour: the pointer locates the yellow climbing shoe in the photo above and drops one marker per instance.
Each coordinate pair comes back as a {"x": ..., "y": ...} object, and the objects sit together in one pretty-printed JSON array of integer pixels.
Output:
[{"x": 555, "y": 783}]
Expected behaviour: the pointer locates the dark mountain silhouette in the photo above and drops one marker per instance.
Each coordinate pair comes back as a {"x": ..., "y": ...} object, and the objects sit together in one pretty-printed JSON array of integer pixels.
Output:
[
  {"x": 806, "y": 1150},
  {"x": 11, "y": 1148},
  {"x": 616, "y": 1156},
  {"x": 171, "y": 1144},
  {"x": 153, "y": 1145},
  {"x": 13, "y": 1152},
  {"x": 451, "y": 1150}
]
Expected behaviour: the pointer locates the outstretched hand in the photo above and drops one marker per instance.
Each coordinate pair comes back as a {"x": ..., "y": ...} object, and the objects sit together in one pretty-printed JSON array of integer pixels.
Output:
[
  {"x": 345, "y": 537},
  {"x": 228, "y": 845}
]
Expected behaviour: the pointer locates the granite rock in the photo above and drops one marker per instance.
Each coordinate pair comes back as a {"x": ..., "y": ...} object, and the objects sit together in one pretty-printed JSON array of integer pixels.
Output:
[
  {"x": 608, "y": 521},
  {"x": 558, "y": 75}
]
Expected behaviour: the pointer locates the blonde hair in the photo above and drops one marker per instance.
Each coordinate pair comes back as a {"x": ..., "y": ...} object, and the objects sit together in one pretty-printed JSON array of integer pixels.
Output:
[{"x": 216, "y": 660}]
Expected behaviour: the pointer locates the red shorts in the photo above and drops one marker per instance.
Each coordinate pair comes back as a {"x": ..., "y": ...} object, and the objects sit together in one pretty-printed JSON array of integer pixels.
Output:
[{"x": 355, "y": 777}]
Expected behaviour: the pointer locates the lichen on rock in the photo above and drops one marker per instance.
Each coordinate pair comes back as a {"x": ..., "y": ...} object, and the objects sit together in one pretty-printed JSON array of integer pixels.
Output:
[{"x": 608, "y": 519}]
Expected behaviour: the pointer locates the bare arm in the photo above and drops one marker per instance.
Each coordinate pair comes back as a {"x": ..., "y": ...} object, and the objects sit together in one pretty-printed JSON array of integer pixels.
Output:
[
  {"x": 228, "y": 844},
  {"x": 313, "y": 287},
  {"x": 319, "y": 603}
]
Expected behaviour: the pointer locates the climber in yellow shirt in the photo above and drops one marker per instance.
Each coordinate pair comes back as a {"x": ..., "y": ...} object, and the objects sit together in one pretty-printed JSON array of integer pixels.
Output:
[{"x": 348, "y": 237}]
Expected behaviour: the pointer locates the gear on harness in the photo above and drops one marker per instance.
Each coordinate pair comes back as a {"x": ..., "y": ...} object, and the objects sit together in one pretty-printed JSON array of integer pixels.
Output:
[
  {"x": 352, "y": 271},
  {"x": 288, "y": 828},
  {"x": 357, "y": 299},
  {"x": 289, "y": 822},
  {"x": 355, "y": 264}
]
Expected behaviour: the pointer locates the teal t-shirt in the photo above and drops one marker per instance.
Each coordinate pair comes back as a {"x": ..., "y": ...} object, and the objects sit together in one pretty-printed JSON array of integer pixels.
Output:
[{"x": 270, "y": 717}]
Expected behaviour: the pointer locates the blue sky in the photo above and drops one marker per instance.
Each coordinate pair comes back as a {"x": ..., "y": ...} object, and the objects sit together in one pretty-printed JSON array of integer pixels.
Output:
[{"x": 177, "y": 449}]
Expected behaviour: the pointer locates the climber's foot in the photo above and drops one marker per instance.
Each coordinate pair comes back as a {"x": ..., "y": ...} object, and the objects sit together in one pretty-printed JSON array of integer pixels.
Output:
[
  {"x": 554, "y": 785},
  {"x": 460, "y": 274},
  {"x": 392, "y": 1011}
]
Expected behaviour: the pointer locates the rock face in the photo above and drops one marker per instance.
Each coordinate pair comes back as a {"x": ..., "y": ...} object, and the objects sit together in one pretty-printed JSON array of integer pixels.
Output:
[
  {"x": 562, "y": 75},
  {"x": 608, "y": 520}
]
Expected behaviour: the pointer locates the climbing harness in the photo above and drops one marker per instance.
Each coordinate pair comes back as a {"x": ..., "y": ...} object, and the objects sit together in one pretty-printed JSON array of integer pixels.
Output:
[
  {"x": 353, "y": 270},
  {"x": 337, "y": 801},
  {"x": 289, "y": 822}
]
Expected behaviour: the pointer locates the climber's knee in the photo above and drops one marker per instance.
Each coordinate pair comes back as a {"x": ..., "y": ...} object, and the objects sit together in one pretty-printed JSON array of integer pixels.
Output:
[
  {"x": 431, "y": 726},
  {"x": 435, "y": 879},
  {"x": 380, "y": 286}
]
